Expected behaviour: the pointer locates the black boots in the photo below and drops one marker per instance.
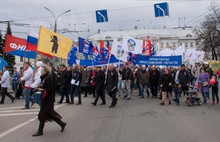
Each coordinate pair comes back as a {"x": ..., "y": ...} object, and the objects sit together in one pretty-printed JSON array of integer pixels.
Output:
[
  {"x": 61, "y": 123},
  {"x": 40, "y": 130}
]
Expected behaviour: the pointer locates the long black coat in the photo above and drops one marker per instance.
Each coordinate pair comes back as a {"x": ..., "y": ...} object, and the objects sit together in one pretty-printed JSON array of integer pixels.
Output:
[
  {"x": 99, "y": 80},
  {"x": 47, "y": 106},
  {"x": 64, "y": 79},
  {"x": 112, "y": 80},
  {"x": 165, "y": 81}
]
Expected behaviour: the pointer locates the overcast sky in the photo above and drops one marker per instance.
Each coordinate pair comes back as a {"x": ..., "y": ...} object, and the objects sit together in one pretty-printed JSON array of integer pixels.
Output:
[{"x": 122, "y": 14}]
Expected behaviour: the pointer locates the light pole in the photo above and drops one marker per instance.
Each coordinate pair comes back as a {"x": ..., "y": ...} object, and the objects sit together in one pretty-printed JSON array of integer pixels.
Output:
[{"x": 56, "y": 17}]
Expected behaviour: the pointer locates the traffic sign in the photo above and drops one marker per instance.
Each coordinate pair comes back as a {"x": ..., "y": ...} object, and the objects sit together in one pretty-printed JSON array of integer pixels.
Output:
[
  {"x": 101, "y": 16},
  {"x": 161, "y": 9}
]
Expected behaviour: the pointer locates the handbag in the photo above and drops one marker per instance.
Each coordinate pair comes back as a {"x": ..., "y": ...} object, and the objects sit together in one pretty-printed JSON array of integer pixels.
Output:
[{"x": 205, "y": 83}]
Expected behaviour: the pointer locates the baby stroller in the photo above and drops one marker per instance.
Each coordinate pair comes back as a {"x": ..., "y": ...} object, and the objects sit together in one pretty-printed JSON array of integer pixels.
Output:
[{"x": 193, "y": 97}]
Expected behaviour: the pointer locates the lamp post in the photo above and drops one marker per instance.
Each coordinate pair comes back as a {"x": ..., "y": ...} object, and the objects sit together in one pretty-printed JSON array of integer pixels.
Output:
[
  {"x": 56, "y": 17},
  {"x": 55, "y": 24}
]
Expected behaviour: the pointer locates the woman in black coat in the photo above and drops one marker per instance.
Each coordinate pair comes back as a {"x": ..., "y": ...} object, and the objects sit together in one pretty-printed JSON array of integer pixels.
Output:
[
  {"x": 166, "y": 86},
  {"x": 47, "y": 112}
]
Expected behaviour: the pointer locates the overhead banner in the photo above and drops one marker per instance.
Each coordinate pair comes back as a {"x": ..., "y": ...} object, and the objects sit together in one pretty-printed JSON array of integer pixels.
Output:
[
  {"x": 17, "y": 46},
  {"x": 159, "y": 61}
]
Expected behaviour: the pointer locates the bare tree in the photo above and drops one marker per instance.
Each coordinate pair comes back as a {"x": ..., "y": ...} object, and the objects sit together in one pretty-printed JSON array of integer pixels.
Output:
[{"x": 209, "y": 33}]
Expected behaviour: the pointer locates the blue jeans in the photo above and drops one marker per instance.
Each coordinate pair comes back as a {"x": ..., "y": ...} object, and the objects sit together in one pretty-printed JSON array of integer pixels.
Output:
[
  {"x": 205, "y": 94},
  {"x": 177, "y": 97},
  {"x": 119, "y": 87},
  {"x": 142, "y": 88},
  {"x": 37, "y": 98},
  {"x": 14, "y": 86},
  {"x": 28, "y": 98}
]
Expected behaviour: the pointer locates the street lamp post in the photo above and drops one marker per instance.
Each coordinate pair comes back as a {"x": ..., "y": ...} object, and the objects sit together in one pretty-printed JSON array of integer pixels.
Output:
[
  {"x": 56, "y": 17},
  {"x": 55, "y": 24}
]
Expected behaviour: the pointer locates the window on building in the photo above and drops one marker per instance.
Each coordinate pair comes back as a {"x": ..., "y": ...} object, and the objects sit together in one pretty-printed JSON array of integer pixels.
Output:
[
  {"x": 191, "y": 44},
  {"x": 186, "y": 44},
  {"x": 167, "y": 45},
  {"x": 181, "y": 43},
  {"x": 21, "y": 59},
  {"x": 174, "y": 45},
  {"x": 162, "y": 45}
]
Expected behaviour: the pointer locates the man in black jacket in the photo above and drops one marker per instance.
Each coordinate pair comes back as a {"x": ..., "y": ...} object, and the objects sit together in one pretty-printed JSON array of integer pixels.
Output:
[
  {"x": 154, "y": 81},
  {"x": 99, "y": 86},
  {"x": 184, "y": 78},
  {"x": 111, "y": 85},
  {"x": 64, "y": 84}
]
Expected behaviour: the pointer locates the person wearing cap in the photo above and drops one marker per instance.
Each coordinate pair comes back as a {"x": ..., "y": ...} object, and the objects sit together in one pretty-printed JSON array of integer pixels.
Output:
[
  {"x": 184, "y": 78},
  {"x": 5, "y": 83},
  {"x": 99, "y": 85},
  {"x": 27, "y": 78},
  {"x": 37, "y": 81}
]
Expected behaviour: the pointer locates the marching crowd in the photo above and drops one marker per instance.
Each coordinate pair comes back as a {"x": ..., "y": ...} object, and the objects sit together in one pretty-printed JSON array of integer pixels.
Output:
[{"x": 41, "y": 84}]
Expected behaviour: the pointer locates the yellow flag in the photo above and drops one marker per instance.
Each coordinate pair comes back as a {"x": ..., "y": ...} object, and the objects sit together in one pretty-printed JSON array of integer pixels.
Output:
[{"x": 53, "y": 44}]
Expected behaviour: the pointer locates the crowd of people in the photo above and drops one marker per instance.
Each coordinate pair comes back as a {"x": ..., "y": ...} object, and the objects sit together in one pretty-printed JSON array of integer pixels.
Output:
[{"x": 41, "y": 84}]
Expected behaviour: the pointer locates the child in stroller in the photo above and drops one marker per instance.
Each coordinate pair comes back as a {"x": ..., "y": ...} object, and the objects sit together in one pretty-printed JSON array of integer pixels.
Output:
[{"x": 193, "y": 97}]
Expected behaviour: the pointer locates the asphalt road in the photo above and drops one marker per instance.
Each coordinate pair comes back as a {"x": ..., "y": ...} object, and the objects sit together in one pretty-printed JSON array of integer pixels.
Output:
[{"x": 135, "y": 120}]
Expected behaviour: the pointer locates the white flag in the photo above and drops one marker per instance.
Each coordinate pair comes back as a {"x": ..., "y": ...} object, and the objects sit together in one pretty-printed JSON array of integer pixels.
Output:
[
  {"x": 166, "y": 52},
  {"x": 200, "y": 56},
  {"x": 180, "y": 50},
  {"x": 189, "y": 53},
  {"x": 132, "y": 45},
  {"x": 118, "y": 51}
]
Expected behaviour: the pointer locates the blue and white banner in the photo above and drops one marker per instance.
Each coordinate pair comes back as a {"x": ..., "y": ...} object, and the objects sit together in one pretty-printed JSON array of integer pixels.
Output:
[
  {"x": 102, "y": 61},
  {"x": 159, "y": 61}
]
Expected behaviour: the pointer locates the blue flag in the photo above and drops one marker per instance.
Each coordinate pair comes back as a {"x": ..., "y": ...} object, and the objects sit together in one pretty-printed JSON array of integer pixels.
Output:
[
  {"x": 72, "y": 56},
  {"x": 85, "y": 46}
]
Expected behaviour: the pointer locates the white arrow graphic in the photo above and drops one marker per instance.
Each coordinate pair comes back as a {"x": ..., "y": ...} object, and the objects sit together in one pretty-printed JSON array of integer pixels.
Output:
[
  {"x": 158, "y": 6},
  {"x": 99, "y": 13}
]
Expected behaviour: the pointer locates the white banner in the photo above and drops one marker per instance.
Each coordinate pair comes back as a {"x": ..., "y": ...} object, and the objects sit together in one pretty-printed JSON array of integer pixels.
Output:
[
  {"x": 189, "y": 53},
  {"x": 179, "y": 51},
  {"x": 118, "y": 51},
  {"x": 132, "y": 45}
]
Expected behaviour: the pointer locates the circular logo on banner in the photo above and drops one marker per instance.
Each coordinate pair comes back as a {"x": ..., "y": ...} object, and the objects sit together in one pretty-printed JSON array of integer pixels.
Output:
[
  {"x": 120, "y": 52},
  {"x": 131, "y": 44}
]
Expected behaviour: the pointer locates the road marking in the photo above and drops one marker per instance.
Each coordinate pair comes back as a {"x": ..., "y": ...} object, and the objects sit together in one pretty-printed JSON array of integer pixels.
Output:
[
  {"x": 22, "y": 125},
  {"x": 11, "y": 111},
  {"x": 8, "y": 108}
]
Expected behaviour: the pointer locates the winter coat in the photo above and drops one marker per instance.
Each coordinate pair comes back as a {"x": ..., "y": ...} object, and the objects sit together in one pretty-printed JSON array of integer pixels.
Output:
[
  {"x": 64, "y": 79},
  {"x": 184, "y": 77},
  {"x": 47, "y": 108},
  {"x": 166, "y": 80},
  {"x": 143, "y": 77},
  {"x": 99, "y": 80},
  {"x": 86, "y": 75},
  {"x": 5, "y": 81},
  {"x": 203, "y": 77},
  {"x": 126, "y": 74},
  {"x": 112, "y": 80},
  {"x": 154, "y": 77}
]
